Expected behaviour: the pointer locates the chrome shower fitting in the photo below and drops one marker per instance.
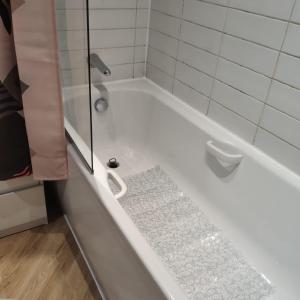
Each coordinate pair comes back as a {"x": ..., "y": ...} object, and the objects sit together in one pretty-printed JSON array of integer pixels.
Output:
[
  {"x": 101, "y": 105},
  {"x": 96, "y": 62}
]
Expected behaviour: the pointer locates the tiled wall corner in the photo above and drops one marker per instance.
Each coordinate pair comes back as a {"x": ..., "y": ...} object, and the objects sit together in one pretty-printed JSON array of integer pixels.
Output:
[
  {"x": 236, "y": 61},
  {"x": 118, "y": 32}
]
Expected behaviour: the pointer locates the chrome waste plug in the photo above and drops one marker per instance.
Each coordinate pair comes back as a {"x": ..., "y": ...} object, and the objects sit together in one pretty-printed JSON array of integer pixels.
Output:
[
  {"x": 113, "y": 163},
  {"x": 101, "y": 105}
]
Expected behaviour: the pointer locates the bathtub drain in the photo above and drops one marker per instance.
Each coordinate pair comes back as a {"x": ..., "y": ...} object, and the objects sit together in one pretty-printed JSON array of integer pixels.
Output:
[{"x": 113, "y": 163}]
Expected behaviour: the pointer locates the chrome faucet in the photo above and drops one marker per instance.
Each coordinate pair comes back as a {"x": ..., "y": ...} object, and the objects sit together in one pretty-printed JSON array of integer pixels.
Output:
[{"x": 96, "y": 62}]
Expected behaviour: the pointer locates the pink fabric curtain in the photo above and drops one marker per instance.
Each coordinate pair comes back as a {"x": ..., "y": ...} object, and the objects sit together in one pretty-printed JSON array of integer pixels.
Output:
[
  {"x": 14, "y": 149},
  {"x": 36, "y": 52}
]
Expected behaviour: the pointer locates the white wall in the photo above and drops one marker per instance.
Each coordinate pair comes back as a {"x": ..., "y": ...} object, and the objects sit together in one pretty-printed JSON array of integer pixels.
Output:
[
  {"x": 236, "y": 61},
  {"x": 118, "y": 30}
]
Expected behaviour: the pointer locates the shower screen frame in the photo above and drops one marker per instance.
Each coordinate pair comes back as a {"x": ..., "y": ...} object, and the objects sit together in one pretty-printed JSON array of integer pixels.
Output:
[{"x": 70, "y": 112}]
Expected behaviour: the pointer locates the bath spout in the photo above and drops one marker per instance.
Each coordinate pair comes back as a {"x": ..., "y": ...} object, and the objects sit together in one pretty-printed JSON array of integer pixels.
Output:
[{"x": 96, "y": 62}]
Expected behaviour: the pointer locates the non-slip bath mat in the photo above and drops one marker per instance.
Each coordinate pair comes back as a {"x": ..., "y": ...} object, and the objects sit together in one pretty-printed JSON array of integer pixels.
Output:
[{"x": 205, "y": 264}]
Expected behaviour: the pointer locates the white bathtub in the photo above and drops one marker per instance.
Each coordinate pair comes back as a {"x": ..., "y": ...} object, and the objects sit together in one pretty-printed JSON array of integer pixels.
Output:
[{"x": 257, "y": 205}]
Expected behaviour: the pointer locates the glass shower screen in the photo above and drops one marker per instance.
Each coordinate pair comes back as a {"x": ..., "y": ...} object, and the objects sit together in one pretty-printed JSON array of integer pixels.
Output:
[{"x": 73, "y": 50}]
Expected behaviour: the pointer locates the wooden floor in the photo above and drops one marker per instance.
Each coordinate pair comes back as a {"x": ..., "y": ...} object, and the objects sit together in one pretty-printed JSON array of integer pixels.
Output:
[{"x": 45, "y": 264}]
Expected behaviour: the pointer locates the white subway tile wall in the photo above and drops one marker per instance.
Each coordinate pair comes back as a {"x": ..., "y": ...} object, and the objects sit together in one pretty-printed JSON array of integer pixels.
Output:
[
  {"x": 238, "y": 62},
  {"x": 118, "y": 34}
]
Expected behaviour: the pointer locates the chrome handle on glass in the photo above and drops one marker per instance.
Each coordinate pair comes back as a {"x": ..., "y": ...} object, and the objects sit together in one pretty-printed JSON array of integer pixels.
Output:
[{"x": 97, "y": 62}]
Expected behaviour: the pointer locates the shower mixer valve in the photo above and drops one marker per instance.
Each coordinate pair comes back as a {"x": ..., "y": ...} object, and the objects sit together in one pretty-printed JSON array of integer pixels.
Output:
[{"x": 97, "y": 62}]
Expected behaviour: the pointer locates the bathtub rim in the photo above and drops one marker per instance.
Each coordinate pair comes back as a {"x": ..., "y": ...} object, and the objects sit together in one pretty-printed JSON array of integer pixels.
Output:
[
  {"x": 200, "y": 120},
  {"x": 140, "y": 246},
  {"x": 167, "y": 284},
  {"x": 99, "y": 184},
  {"x": 197, "y": 118},
  {"x": 206, "y": 124}
]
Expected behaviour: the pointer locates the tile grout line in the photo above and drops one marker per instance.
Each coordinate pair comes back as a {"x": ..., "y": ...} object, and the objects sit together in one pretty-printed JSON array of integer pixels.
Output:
[
  {"x": 225, "y": 83},
  {"x": 231, "y": 61},
  {"x": 245, "y": 11},
  {"x": 235, "y": 9},
  {"x": 178, "y": 45},
  {"x": 268, "y": 88},
  {"x": 147, "y": 37},
  {"x": 272, "y": 78},
  {"x": 217, "y": 64},
  {"x": 204, "y": 26},
  {"x": 135, "y": 32},
  {"x": 279, "y": 138},
  {"x": 220, "y": 31},
  {"x": 264, "y": 102},
  {"x": 259, "y": 73},
  {"x": 223, "y": 57}
]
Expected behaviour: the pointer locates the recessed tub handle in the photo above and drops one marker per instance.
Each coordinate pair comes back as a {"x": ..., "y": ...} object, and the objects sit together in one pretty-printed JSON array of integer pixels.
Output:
[
  {"x": 119, "y": 182},
  {"x": 229, "y": 156}
]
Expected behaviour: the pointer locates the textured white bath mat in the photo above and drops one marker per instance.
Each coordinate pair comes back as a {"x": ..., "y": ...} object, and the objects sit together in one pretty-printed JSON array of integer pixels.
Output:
[{"x": 205, "y": 263}]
